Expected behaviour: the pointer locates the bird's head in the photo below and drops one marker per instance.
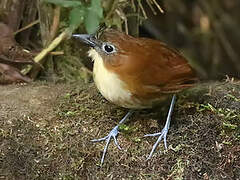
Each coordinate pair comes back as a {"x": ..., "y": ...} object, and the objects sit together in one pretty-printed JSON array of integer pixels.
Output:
[
  {"x": 111, "y": 45},
  {"x": 137, "y": 58}
]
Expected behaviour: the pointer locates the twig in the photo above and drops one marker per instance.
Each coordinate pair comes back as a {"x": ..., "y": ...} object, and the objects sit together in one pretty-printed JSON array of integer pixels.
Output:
[
  {"x": 133, "y": 5},
  {"x": 142, "y": 9},
  {"x": 26, "y": 27},
  {"x": 48, "y": 49},
  {"x": 52, "y": 46},
  {"x": 56, "y": 53},
  {"x": 158, "y": 6},
  {"x": 55, "y": 24},
  {"x": 124, "y": 18},
  {"x": 113, "y": 7},
  {"x": 151, "y": 7}
]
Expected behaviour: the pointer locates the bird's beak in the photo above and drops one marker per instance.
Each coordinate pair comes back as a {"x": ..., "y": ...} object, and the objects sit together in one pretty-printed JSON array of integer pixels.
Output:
[{"x": 87, "y": 39}]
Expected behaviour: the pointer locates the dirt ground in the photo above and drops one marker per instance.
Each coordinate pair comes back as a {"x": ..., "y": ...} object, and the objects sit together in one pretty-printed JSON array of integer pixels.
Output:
[{"x": 46, "y": 128}]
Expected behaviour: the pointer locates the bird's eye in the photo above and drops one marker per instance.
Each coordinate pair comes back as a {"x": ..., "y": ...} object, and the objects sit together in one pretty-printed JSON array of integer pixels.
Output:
[{"x": 108, "y": 48}]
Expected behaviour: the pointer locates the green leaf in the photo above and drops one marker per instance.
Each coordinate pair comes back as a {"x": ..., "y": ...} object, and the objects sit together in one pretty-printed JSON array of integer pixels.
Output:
[
  {"x": 64, "y": 3},
  {"x": 76, "y": 17},
  {"x": 97, "y": 8},
  {"x": 93, "y": 16},
  {"x": 123, "y": 127}
]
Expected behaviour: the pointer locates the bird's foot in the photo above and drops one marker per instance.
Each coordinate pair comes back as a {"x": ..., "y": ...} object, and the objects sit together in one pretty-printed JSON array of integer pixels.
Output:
[
  {"x": 162, "y": 135},
  {"x": 113, "y": 134}
]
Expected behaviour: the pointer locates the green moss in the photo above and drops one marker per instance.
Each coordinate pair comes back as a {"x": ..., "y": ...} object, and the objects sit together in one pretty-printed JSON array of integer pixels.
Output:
[{"x": 53, "y": 140}]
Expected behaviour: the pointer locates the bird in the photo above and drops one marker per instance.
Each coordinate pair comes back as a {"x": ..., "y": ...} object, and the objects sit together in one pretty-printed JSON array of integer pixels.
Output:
[{"x": 136, "y": 73}]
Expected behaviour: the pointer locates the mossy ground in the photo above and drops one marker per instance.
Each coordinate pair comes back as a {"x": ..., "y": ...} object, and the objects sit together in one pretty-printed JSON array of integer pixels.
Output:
[{"x": 46, "y": 128}]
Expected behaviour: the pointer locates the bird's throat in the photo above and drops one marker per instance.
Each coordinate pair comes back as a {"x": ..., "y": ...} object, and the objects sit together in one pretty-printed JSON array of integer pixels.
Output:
[{"x": 109, "y": 84}]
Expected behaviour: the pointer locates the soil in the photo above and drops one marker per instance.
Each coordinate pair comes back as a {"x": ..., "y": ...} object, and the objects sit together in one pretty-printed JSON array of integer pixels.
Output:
[{"x": 46, "y": 128}]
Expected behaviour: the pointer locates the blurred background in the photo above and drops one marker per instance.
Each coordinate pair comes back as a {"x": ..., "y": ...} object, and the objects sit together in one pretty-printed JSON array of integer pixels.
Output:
[{"x": 205, "y": 31}]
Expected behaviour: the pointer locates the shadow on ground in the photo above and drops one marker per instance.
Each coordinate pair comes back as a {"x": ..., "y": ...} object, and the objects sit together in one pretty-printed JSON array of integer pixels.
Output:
[{"x": 45, "y": 133}]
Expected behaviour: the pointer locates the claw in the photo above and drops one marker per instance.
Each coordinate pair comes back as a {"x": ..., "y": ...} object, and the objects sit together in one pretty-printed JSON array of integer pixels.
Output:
[
  {"x": 163, "y": 133},
  {"x": 116, "y": 143},
  {"x": 113, "y": 134},
  {"x": 99, "y": 140},
  {"x": 149, "y": 135},
  {"x": 105, "y": 149}
]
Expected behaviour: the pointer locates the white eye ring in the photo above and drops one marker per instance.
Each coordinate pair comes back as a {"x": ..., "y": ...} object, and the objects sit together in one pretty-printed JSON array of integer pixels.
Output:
[{"x": 108, "y": 48}]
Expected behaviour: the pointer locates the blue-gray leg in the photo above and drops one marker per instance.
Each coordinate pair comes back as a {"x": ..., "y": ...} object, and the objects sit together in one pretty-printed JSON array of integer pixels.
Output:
[
  {"x": 113, "y": 134},
  {"x": 163, "y": 133}
]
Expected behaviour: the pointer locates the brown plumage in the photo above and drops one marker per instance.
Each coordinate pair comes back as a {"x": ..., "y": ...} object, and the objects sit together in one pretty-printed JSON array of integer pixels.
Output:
[
  {"x": 136, "y": 73},
  {"x": 149, "y": 68}
]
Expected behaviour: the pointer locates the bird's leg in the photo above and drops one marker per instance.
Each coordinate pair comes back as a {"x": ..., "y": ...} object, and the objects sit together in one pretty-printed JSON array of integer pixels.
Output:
[
  {"x": 163, "y": 133},
  {"x": 113, "y": 134}
]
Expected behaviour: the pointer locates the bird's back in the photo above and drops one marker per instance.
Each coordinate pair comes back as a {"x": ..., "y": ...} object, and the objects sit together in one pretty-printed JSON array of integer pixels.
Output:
[{"x": 149, "y": 69}]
